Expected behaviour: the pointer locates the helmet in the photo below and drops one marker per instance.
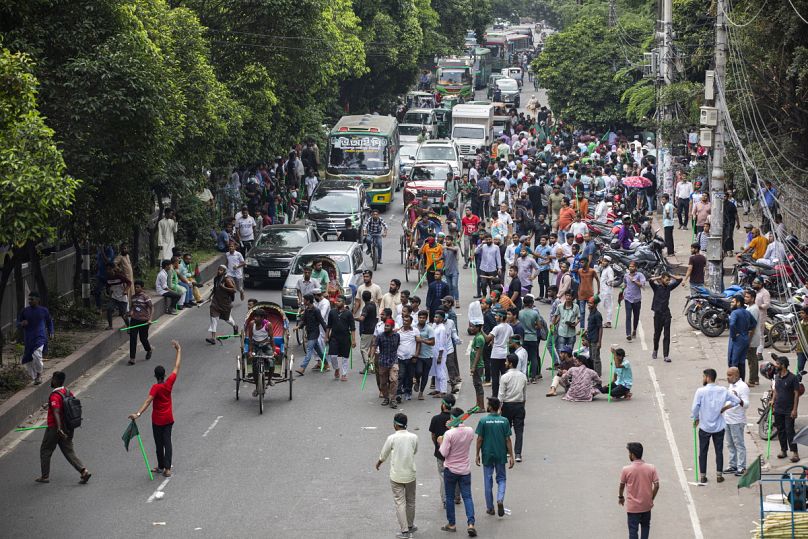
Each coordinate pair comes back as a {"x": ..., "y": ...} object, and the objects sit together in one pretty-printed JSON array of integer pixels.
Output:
[{"x": 768, "y": 370}]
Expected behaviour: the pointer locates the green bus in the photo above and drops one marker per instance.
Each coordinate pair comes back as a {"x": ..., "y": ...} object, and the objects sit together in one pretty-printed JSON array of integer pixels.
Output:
[
  {"x": 365, "y": 147},
  {"x": 482, "y": 67},
  {"x": 455, "y": 76}
]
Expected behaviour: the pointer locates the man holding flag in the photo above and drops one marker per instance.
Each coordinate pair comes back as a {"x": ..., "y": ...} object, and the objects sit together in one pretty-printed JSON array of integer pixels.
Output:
[{"x": 162, "y": 412}]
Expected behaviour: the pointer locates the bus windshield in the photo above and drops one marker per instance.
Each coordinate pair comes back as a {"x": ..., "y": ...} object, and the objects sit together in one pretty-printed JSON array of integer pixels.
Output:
[
  {"x": 358, "y": 154},
  {"x": 454, "y": 76}
]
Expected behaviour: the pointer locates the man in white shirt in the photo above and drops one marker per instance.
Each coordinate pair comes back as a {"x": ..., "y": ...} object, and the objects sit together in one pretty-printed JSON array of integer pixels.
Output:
[
  {"x": 406, "y": 357},
  {"x": 512, "y": 394},
  {"x": 311, "y": 182},
  {"x": 735, "y": 417},
  {"x": 162, "y": 287},
  {"x": 499, "y": 338},
  {"x": 440, "y": 353},
  {"x": 245, "y": 229},
  {"x": 601, "y": 211},
  {"x": 166, "y": 228},
  {"x": 401, "y": 447},
  {"x": 235, "y": 267},
  {"x": 684, "y": 190},
  {"x": 505, "y": 217}
]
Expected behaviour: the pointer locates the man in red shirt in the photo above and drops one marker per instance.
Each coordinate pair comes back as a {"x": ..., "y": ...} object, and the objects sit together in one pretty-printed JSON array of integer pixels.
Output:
[
  {"x": 58, "y": 433},
  {"x": 640, "y": 482},
  {"x": 162, "y": 412},
  {"x": 470, "y": 223}
]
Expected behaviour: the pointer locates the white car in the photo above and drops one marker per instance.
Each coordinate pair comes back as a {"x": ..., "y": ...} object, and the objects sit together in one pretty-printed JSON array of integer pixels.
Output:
[
  {"x": 406, "y": 158},
  {"x": 441, "y": 150},
  {"x": 410, "y": 133}
]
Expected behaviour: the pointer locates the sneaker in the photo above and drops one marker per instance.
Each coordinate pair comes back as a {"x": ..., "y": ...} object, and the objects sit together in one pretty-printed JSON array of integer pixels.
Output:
[
  {"x": 398, "y": 398},
  {"x": 407, "y": 397},
  {"x": 501, "y": 508},
  {"x": 667, "y": 359},
  {"x": 403, "y": 535},
  {"x": 731, "y": 469},
  {"x": 719, "y": 478},
  {"x": 795, "y": 457},
  {"x": 393, "y": 405},
  {"x": 628, "y": 338},
  {"x": 703, "y": 479},
  {"x": 740, "y": 472},
  {"x": 413, "y": 528},
  {"x": 654, "y": 354},
  {"x": 148, "y": 354},
  {"x": 518, "y": 459},
  {"x": 385, "y": 402},
  {"x": 38, "y": 379}
]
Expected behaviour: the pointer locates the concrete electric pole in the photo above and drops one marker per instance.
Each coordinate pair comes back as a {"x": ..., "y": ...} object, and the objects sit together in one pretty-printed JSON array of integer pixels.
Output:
[
  {"x": 666, "y": 77},
  {"x": 715, "y": 247}
]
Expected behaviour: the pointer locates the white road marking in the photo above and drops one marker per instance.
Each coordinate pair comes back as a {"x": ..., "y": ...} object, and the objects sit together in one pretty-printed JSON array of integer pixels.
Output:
[
  {"x": 212, "y": 425},
  {"x": 159, "y": 489},
  {"x": 641, "y": 335},
  {"x": 677, "y": 459}
]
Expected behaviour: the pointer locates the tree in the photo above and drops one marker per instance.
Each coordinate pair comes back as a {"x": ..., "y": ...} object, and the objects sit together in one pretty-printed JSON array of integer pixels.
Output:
[
  {"x": 32, "y": 172},
  {"x": 578, "y": 66}
]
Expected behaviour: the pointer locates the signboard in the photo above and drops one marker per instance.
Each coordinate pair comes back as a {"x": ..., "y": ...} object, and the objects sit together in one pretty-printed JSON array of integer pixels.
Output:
[{"x": 358, "y": 142}]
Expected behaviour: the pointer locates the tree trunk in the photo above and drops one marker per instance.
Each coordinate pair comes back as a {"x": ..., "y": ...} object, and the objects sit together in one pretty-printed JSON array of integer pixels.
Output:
[
  {"x": 36, "y": 273},
  {"x": 77, "y": 270},
  {"x": 135, "y": 256},
  {"x": 11, "y": 265}
]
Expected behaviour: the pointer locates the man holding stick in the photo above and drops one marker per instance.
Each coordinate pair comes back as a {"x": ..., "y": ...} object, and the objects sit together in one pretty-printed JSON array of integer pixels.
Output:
[{"x": 140, "y": 315}]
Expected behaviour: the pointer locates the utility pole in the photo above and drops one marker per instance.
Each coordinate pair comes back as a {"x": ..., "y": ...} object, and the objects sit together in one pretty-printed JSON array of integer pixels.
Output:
[
  {"x": 612, "y": 13},
  {"x": 666, "y": 72},
  {"x": 715, "y": 247}
]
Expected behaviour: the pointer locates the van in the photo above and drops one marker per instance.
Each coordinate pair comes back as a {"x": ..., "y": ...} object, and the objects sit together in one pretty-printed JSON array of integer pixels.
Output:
[{"x": 424, "y": 117}]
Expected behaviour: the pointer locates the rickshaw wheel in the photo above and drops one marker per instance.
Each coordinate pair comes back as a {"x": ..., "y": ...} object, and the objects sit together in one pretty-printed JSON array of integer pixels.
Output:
[
  {"x": 261, "y": 389},
  {"x": 238, "y": 381},
  {"x": 402, "y": 247},
  {"x": 407, "y": 269}
]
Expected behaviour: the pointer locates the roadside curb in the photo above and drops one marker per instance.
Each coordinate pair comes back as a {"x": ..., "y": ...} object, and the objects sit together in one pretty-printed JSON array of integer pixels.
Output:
[{"x": 30, "y": 399}]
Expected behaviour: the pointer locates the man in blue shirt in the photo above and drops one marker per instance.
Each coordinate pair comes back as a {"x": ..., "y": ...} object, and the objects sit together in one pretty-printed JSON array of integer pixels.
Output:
[
  {"x": 769, "y": 195},
  {"x": 708, "y": 404},
  {"x": 37, "y": 326},
  {"x": 742, "y": 326}
]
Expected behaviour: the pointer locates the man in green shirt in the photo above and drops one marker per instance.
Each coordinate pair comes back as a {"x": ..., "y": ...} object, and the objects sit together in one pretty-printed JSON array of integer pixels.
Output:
[
  {"x": 319, "y": 275},
  {"x": 529, "y": 318},
  {"x": 477, "y": 362},
  {"x": 494, "y": 441}
]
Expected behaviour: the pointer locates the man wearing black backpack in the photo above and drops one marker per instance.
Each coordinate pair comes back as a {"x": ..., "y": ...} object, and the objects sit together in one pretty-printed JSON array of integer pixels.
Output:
[{"x": 64, "y": 415}]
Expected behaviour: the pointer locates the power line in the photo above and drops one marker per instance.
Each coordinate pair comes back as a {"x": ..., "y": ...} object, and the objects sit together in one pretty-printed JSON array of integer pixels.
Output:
[
  {"x": 747, "y": 23},
  {"x": 797, "y": 12}
]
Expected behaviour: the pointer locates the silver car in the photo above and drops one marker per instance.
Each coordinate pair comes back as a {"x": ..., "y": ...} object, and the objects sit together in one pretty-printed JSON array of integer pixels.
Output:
[{"x": 347, "y": 256}]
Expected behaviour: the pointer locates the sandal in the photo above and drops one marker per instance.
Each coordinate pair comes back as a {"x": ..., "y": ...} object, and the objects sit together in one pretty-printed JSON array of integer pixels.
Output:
[
  {"x": 85, "y": 477},
  {"x": 446, "y": 528},
  {"x": 157, "y": 470}
]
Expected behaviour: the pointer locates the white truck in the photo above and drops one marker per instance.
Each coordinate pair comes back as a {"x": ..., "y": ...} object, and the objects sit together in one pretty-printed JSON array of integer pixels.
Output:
[{"x": 472, "y": 128}]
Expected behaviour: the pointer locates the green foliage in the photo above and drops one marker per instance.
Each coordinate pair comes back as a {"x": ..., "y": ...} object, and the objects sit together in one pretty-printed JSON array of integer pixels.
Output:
[
  {"x": 32, "y": 171},
  {"x": 68, "y": 314},
  {"x": 195, "y": 223},
  {"x": 580, "y": 66},
  {"x": 13, "y": 378}
]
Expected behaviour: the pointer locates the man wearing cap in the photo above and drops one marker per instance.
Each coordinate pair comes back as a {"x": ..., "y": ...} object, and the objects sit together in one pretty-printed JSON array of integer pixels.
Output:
[
  {"x": 513, "y": 394},
  {"x": 401, "y": 447},
  {"x": 387, "y": 358},
  {"x": 37, "y": 327}
]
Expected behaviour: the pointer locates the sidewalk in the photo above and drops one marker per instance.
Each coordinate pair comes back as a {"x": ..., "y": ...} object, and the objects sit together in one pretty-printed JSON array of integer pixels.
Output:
[{"x": 30, "y": 399}]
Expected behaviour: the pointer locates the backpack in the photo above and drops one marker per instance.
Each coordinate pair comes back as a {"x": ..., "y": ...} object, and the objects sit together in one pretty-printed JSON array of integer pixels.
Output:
[{"x": 71, "y": 410}]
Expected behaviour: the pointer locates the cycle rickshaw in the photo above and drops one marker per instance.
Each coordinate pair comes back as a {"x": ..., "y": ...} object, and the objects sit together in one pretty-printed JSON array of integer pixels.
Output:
[
  {"x": 410, "y": 251},
  {"x": 263, "y": 370}
]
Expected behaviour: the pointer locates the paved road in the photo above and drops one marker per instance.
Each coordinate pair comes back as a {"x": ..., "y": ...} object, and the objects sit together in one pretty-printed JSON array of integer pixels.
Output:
[{"x": 305, "y": 468}]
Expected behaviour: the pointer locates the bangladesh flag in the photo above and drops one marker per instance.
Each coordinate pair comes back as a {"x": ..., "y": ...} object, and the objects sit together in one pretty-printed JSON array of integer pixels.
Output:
[
  {"x": 751, "y": 475},
  {"x": 130, "y": 433}
]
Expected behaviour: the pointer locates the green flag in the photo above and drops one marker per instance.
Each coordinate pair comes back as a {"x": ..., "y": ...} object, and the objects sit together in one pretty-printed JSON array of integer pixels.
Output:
[
  {"x": 130, "y": 433},
  {"x": 751, "y": 475}
]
